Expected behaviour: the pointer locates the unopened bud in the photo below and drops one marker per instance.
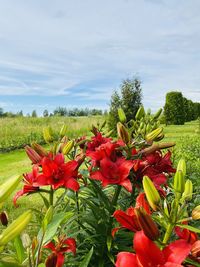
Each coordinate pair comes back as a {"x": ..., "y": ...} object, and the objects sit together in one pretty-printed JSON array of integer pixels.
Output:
[
  {"x": 4, "y": 218},
  {"x": 196, "y": 213},
  {"x": 122, "y": 116},
  {"x": 151, "y": 192},
  {"x": 182, "y": 166},
  {"x": 68, "y": 147},
  {"x": 51, "y": 260},
  {"x": 47, "y": 134},
  {"x": 195, "y": 251},
  {"x": 159, "y": 137},
  {"x": 187, "y": 194},
  {"x": 39, "y": 149},
  {"x": 123, "y": 133},
  {"x": 63, "y": 131},
  {"x": 15, "y": 228},
  {"x": 148, "y": 226},
  {"x": 154, "y": 134},
  {"x": 8, "y": 187},
  {"x": 179, "y": 182},
  {"x": 157, "y": 114},
  {"x": 26, "y": 241},
  {"x": 33, "y": 155},
  {"x": 140, "y": 113}
]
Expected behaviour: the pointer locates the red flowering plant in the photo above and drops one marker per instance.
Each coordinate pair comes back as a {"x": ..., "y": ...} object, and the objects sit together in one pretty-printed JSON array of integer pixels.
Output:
[{"x": 108, "y": 201}]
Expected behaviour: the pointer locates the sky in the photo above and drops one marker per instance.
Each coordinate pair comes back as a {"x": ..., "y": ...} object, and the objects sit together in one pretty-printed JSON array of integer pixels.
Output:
[{"x": 75, "y": 53}]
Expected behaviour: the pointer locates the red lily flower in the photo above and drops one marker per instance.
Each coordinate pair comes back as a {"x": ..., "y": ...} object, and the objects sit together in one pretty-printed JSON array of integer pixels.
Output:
[
  {"x": 128, "y": 219},
  {"x": 186, "y": 234},
  {"x": 64, "y": 245},
  {"x": 57, "y": 173},
  {"x": 97, "y": 140},
  {"x": 114, "y": 172},
  {"x": 149, "y": 254},
  {"x": 30, "y": 180}
]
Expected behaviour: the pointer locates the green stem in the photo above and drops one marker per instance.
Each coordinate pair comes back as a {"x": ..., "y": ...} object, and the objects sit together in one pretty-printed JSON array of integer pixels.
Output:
[
  {"x": 51, "y": 196},
  {"x": 168, "y": 233},
  {"x": 115, "y": 197}
]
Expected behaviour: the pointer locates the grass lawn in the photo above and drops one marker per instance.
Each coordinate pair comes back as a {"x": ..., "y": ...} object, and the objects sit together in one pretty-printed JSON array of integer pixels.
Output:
[{"x": 16, "y": 162}]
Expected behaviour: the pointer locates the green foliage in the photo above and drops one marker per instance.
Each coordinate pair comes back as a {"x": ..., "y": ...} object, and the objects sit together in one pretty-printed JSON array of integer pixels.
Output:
[
  {"x": 174, "y": 108},
  {"x": 129, "y": 100}
]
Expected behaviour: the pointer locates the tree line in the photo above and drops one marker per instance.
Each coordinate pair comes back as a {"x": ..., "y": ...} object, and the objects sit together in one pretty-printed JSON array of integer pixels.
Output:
[
  {"x": 59, "y": 111},
  {"x": 178, "y": 109}
]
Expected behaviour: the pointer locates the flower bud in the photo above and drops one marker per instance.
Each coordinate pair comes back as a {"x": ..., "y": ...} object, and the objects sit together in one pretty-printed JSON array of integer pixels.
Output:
[
  {"x": 47, "y": 134},
  {"x": 8, "y": 187},
  {"x": 15, "y": 228},
  {"x": 123, "y": 133},
  {"x": 26, "y": 241},
  {"x": 187, "y": 194},
  {"x": 140, "y": 113},
  {"x": 63, "y": 130},
  {"x": 179, "y": 182},
  {"x": 68, "y": 147},
  {"x": 148, "y": 226},
  {"x": 4, "y": 218},
  {"x": 182, "y": 166},
  {"x": 154, "y": 134},
  {"x": 196, "y": 213},
  {"x": 39, "y": 149},
  {"x": 195, "y": 251},
  {"x": 122, "y": 116},
  {"x": 51, "y": 260},
  {"x": 151, "y": 192},
  {"x": 157, "y": 114},
  {"x": 33, "y": 155}
]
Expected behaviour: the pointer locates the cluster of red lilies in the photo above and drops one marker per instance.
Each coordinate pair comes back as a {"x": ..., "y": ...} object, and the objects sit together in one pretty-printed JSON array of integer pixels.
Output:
[{"x": 111, "y": 163}]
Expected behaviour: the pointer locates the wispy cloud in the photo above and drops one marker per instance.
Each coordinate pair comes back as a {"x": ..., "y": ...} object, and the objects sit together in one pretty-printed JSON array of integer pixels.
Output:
[{"x": 83, "y": 49}]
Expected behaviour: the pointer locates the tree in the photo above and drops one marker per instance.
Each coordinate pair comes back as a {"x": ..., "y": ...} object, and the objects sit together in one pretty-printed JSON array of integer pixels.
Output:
[
  {"x": 45, "y": 113},
  {"x": 60, "y": 111},
  {"x": 34, "y": 114},
  {"x": 115, "y": 103},
  {"x": 129, "y": 100},
  {"x": 1, "y": 112},
  {"x": 131, "y": 97},
  {"x": 174, "y": 108}
]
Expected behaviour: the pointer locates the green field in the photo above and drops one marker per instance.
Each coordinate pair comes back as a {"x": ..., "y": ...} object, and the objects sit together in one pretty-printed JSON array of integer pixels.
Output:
[{"x": 16, "y": 162}]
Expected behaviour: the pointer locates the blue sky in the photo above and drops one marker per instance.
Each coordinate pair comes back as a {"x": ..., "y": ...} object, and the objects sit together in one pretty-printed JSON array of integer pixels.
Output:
[{"x": 75, "y": 53}]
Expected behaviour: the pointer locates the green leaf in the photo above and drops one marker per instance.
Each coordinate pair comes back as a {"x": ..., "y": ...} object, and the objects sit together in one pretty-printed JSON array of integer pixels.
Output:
[
  {"x": 53, "y": 226},
  {"x": 41, "y": 265},
  {"x": 191, "y": 228},
  {"x": 9, "y": 264},
  {"x": 46, "y": 202},
  {"x": 109, "y": 242},
  {"x": 87, "y": 258},
  {"x": 19, "y": 249}
]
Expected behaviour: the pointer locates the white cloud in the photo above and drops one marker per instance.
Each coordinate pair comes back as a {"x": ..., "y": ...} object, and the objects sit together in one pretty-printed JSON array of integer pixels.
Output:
[{"x": 50, "y": 47}]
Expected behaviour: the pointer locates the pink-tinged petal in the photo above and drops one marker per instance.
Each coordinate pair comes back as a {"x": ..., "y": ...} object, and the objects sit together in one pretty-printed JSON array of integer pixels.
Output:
[
  {"x": 127, "y": 185},
  {"x": 177, "y": 251},
  {"x": 129, "y": 222},
  {"x": 147, "y": 251},
  {"x": 72, "y": 184},
  {"x": 97, "y": 175},
  {"x": 50, "y": 246},
  {"x": 60, "y": 260},
  {"x": 16, "y": 196},
  {"x": 126, "y": 259}
]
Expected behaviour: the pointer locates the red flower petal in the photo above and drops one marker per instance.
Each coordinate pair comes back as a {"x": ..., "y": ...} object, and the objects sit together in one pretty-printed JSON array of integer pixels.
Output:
[
  {"x": 126, "y": 259},
  {"x": 177, "y": 251},
  {"x": 129, "y": 222},
  {"x": 60, "y": 260},
  {"x": 147, "y": 251},
  {"x": 72, "y": 184}
]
